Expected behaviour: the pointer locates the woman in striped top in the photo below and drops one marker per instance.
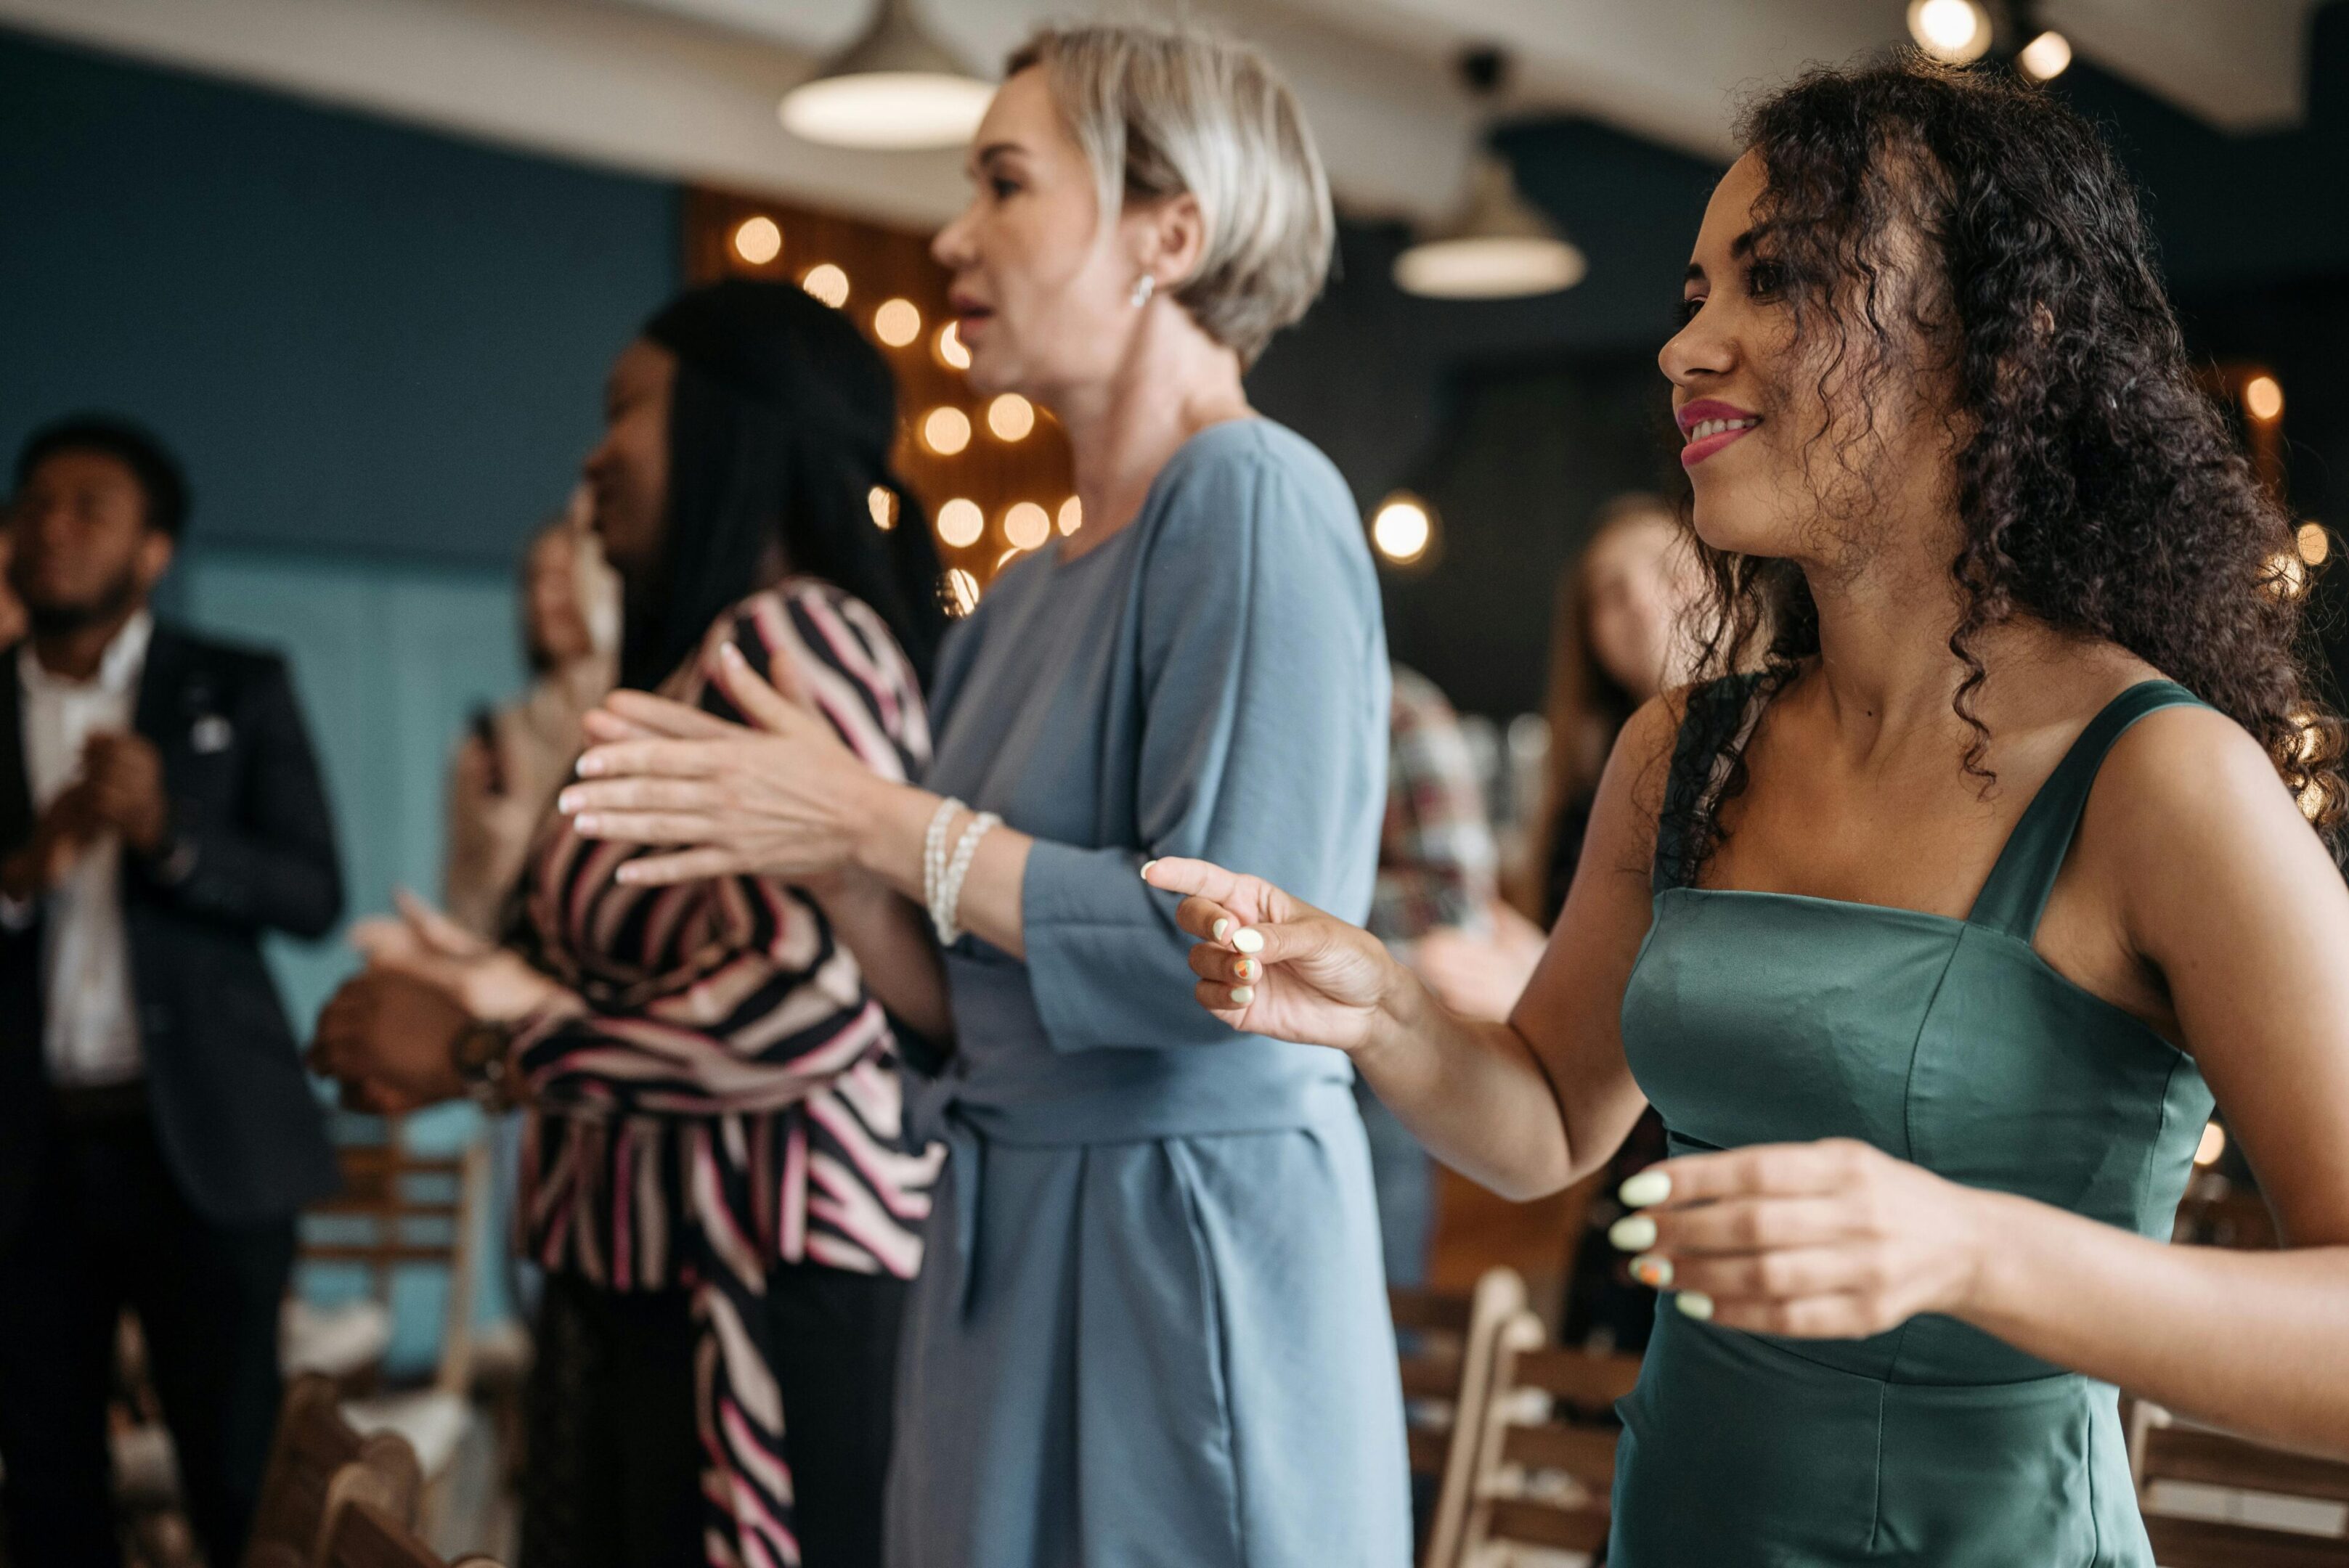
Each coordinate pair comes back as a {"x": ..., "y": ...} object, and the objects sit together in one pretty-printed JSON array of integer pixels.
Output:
[{"x": 712, "y": 1170}]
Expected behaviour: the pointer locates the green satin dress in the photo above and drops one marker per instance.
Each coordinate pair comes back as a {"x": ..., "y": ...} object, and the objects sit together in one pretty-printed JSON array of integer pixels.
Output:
[{"x": 1760, "y": 1018}]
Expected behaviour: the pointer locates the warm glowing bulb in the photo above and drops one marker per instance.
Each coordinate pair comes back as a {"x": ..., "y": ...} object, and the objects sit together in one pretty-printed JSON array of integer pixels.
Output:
[
  {"x": 951, "y": 352},
  {"x": 2314, "y": 544},
  {"x": 2286, "y": 576},
  {"x": 960, "y": 522},
  {"x": 946, "y": 431},
  {"x": 827, "y": 283},
  {"x": 897, "y": 323},
  {"x": 2263, "y": 399},
  {"x": 2046, "y": 57},
  {"x": 1011, "y": 416},
  {"x": 1026, "y": 525},
  {"x": 1401, "y": 529},
  {"x": 883, "y": 504},
  {"x": 1955, "y": 31},
  {"x": 2213, "y": 1144},
  {"x": 1073, "y": 515},
  {"x": 757, "y": 241},
  {"x": 961, "y": 592}
]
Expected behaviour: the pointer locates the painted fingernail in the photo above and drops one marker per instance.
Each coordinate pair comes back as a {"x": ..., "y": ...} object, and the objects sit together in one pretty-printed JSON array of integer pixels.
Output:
[
  {"x": 1652, "y": 1271},
  {"x": 730, "y": 653},
  {"x": 1245, "y": 969},
  {"x": 1249, "y": 940},
  {"x": 1647, "y": 1187},
  {"x": 1145, "y": 868},
  {"x": 1694, "y": 1303},
  {"x": 586, "y": 825},
  {"x": 1243, "y": 995},
  {"x": 590, "y": 766},
  {"x": 1633, "y": 1232},
  {"x": 1221, "y": 926},
  {"x": 566, "y": 802}
]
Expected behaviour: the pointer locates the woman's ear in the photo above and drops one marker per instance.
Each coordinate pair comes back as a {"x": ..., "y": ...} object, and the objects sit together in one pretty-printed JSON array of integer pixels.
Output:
[{"x": 1174, "y": 240}]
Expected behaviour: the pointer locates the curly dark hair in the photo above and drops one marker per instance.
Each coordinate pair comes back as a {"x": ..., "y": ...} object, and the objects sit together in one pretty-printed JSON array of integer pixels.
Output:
[{"x": 2100, "y": 491}]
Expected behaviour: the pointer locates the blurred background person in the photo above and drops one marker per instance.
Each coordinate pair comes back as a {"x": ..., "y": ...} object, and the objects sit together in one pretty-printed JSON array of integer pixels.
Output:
[
  {"x": 510, "y": 762},
  {"x": 159, "y": 811},
  {"x": 12, "y": 609},
  {"x": 1621, "y": 632},
  {"x": 1437, "y": 874},
  {"x": 712, "y": 1181}
]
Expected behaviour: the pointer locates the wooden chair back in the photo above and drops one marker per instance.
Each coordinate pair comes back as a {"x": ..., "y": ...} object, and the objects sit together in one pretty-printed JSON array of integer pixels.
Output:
[
  {"x": 398, "y": 1210},
  {"x": 1544, "y": 1466},
  {"x": 2165, "y": 1452},
  {"x": 1446, "y": 1346},
  {"x": 364, "y": 1536},
  {"x": 315, "y": 1457}
]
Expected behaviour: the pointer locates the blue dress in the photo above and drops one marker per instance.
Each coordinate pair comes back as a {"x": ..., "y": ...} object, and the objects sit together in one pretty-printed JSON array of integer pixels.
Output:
[{"x": 1151, "y": 1329}]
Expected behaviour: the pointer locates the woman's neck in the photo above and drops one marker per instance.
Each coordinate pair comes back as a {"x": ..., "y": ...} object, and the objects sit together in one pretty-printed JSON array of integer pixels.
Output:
[{"x": 1173, "y": 382}]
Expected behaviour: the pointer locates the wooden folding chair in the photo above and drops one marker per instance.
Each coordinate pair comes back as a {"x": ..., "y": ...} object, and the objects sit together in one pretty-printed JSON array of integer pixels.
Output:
[
  {"x": 362, "y": 1535},
  {"x": 399, "y": 1210},
  {"x": 1545, "y": 1464},
  {"x": 2212, "y": 1499},
  {"x": 314, "y": 1447},
  {"x": 1446, "y": 1346}
]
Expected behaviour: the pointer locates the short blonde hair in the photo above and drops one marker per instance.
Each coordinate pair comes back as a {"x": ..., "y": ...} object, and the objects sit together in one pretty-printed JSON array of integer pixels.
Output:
[{"x": 1160, "y": 113}]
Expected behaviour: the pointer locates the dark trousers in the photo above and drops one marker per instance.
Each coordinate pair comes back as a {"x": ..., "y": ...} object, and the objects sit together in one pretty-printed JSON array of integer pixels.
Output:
[
  {"x": 105, "y": 1226},
  {"x": 615, "y": 1458}
]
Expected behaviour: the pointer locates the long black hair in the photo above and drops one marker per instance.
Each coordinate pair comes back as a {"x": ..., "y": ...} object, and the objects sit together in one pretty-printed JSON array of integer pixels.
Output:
[
  {"x": 2099, "y": 489},
  {"x": 779, "y": 431}
]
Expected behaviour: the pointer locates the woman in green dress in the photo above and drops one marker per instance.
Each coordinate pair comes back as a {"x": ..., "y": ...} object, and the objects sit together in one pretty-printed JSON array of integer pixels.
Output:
[{"x": 1927, "y": 921}]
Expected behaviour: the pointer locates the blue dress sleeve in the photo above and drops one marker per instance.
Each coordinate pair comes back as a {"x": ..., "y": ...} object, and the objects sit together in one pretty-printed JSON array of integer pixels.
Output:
[{"x": 1264, "y": 682}]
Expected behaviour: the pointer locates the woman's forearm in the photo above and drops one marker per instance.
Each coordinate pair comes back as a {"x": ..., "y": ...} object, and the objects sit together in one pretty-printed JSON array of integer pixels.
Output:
[
  {"x": 888, "y": 842},
  {"x": 891, "y": 938},
  {"x": 2252, "y": 1341},
  {"x": 1471, "y": 1092}
]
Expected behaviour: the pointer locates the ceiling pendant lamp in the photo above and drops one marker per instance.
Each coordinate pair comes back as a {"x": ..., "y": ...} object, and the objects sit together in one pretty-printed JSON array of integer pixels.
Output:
[
  {"x": 1500, "y": 247},
  {"x": 896, "y": 86}
]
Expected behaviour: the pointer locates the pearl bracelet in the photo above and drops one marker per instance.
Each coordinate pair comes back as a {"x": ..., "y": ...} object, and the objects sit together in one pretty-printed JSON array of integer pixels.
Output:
[
  {"x": 948, "y": 903},
  {"x": 934, "y": 856}
]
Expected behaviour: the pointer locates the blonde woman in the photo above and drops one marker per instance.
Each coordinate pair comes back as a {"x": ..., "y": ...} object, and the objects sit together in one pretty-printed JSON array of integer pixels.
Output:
[{"x": 1151, "y": 1328}]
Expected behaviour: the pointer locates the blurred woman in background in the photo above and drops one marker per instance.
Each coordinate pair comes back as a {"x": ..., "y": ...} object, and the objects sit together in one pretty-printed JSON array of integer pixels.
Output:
[
  {"x": 510, "y": 763},
  {"x": 1151, "y": 1327},
  {"x": 712, "y": 1173}
]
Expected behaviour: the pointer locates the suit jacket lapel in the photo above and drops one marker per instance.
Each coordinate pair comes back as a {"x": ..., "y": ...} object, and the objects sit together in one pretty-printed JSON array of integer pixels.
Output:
[
  {"x": 159, "y": 712},
  {"x": 16, "y": 785}
]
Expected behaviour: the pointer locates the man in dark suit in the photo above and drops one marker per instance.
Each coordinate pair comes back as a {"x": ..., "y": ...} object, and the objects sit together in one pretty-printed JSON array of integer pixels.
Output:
[{"x": 159, "y": 808}]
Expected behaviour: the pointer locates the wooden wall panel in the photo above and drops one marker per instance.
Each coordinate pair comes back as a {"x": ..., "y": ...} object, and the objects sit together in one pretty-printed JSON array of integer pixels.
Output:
[{"x": 882, "y": 264}]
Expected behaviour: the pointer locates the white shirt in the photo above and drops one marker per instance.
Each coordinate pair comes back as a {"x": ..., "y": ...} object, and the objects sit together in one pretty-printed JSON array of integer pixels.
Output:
[{"x": 92, "y": 1017}]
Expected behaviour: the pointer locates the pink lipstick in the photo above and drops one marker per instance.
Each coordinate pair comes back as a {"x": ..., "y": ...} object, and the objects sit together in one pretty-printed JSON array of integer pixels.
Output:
[{"x": 1708, "y": 425}]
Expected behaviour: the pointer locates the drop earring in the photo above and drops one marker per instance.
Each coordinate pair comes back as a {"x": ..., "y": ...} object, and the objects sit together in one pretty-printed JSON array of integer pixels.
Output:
[{"x": 1144, "y": 287}]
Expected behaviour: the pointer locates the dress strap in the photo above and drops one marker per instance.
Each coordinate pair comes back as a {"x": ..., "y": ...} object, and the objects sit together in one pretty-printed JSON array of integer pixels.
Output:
[
  {"x": 2016, "y": 892},
  {"x": 1715, "y": 711}
]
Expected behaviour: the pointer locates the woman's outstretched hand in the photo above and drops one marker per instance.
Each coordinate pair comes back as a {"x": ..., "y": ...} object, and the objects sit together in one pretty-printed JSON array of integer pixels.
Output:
[
  {"x": 1273, "y": 964},
  {"x": 781, "y": 800}
]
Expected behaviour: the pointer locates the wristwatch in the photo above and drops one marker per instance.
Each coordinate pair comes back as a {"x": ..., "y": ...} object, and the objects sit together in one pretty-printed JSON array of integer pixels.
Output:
[{"x": 483, "y": 1052}]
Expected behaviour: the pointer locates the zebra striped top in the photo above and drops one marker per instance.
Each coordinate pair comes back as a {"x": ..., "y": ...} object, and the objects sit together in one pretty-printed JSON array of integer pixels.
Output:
[{"x": 716, "y": 1065}]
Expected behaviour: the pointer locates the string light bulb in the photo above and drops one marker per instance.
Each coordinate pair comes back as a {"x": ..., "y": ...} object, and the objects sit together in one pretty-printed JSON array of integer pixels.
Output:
[
  {"x": 946, "y": 430},
  {"x": 960, "y": 522},
  {"x": 897, "y": 321},
  {"x": 2263, "y": 399},
  {"x": 827, "y": 283},
  {"x": 1026, "y": 525},
  {"x": 960, "y": 593},
  {"x": 882, "y": 502},
  {"x": 950, "y": 351},
  {"x": 1954, "y": 32},
  {"x": 2213, "y": 1144},
  {"x": 1403, "y": 528},
  {"x": 1072, "y": 516},
  {"x": 2313, "y": 543},
  {"x": 757, "y": 241},
  {"x": 1011, "y": 416},
  {"x": 2046, "y": 57}
]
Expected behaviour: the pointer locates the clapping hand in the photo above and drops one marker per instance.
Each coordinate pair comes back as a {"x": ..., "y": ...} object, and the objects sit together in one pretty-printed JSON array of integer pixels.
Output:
[{"x": 782, "y": 799}]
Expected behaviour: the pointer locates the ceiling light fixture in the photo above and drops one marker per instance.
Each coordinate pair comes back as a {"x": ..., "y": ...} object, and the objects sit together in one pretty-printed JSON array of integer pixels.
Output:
[
  {"x": 896, "y": 86},
  {"x": 2046, "y": 58},
  {"x": 1499, "y": 246}
]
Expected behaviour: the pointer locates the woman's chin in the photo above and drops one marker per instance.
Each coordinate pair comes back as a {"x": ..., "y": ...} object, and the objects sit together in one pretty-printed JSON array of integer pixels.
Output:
[{"x": 1735, "y": 527}]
